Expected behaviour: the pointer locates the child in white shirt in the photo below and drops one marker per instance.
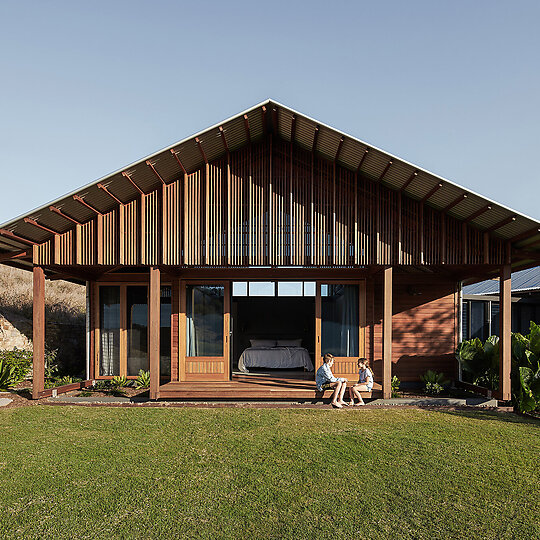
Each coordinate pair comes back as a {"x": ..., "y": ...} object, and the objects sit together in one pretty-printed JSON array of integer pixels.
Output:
[
  {"x": 325, "y": 380},
  {"x": 364, "y": 384}
]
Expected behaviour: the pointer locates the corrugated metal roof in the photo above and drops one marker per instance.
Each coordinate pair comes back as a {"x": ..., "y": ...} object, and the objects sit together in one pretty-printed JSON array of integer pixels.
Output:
[
  {"x": 524, "y": 280},
  {"x": 351, "y": 154}
]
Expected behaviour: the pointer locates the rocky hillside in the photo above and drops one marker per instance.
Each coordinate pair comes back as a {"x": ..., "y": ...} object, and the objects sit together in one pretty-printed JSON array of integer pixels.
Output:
[{"x": 64, "y": 315}]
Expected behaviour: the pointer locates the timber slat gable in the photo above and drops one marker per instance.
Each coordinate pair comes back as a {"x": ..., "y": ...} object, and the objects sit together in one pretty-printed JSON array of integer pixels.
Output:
[{"x": 272, "y": 204}]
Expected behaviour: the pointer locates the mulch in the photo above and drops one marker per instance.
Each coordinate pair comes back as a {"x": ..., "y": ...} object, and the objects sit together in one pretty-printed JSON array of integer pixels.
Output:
[{"x": 22, "y": 397}]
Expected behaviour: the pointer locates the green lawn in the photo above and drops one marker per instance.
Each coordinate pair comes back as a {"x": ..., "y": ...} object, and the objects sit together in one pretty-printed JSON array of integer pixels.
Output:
[{"x": 76, "y": 472}]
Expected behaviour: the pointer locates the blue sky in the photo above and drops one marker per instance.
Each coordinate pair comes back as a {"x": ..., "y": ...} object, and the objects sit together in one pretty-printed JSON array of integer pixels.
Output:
[{"x": 88, "y": 87}]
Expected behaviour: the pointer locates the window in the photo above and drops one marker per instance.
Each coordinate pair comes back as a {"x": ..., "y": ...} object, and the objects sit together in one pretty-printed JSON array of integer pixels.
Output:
[
  {"x": 137, "y": 329},
  {"x": 340, "y": 320},
  {"x": 109, "y": 316},
  {"x": 204, "y": 320},
  {"x": 268, "y": 288},
  {"x": 478, "y": 320},
  {"x": 290, "y": 288},
  {"x": 165, "y": 336},
  {"x": 128, "y": 305},
  {"x": 262, "y": 288},
  {"x": 240, "y": 288}
]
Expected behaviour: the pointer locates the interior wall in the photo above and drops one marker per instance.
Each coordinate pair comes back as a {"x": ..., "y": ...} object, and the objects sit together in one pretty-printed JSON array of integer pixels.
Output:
[{"x": 272, "y": 318}]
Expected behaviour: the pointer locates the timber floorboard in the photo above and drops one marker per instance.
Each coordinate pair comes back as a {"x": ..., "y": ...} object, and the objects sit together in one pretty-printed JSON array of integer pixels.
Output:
[{"x": 250, "y": 386}]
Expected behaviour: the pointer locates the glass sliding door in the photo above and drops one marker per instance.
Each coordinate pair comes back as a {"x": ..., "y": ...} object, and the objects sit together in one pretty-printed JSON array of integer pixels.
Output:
[
  {"x": 137, "y": 329},
  {"x": 165, "y": 332},
  {"x": 204, "y": 322},
  {"x": 122, "y": 331},
  {"x": 340, "y": 324}
]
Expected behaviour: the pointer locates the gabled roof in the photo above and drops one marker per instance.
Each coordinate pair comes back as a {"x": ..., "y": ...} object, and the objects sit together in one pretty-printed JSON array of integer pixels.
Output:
[
  {"x": 523, "y": 281},
  {"x": 187, "y": 155}
]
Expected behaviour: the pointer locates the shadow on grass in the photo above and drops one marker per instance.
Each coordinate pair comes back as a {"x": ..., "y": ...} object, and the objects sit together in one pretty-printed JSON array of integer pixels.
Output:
[{"x": 489, "y": 414}]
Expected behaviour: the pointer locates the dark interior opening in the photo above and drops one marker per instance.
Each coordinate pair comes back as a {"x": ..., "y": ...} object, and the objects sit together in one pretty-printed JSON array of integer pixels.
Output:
[{"x": 272, "y": 318}]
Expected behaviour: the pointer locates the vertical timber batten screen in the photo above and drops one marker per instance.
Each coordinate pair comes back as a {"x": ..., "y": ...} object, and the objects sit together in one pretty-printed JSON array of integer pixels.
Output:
[{"x": 272, "y": 204}]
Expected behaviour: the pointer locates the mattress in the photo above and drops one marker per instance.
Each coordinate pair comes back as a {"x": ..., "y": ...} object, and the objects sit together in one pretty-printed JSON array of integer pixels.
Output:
[{"x": 275, "y": 358}]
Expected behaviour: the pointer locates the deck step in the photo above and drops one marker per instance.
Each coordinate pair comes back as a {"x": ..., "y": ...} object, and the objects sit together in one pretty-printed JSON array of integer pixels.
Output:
[{"x": 252, "y": 386}]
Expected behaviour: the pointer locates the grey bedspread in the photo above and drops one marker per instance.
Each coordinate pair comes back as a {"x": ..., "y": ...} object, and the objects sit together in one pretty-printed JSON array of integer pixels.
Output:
[{"x": 275, "y": 357}]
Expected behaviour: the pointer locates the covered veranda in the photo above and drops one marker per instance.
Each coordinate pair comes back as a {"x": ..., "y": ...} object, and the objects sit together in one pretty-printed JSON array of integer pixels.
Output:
[{"x": 272, "y": 192}]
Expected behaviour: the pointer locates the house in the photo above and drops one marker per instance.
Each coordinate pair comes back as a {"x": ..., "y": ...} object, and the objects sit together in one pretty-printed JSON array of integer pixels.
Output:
[
  {"x": 264, "y": 242},
  {"x": 480, "y": 307}
]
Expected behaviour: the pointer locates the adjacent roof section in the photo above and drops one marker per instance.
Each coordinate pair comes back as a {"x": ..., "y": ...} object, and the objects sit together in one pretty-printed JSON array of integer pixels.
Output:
[
  {"x": 187, "y": 155},
  {"x": 522, "y": 281}
]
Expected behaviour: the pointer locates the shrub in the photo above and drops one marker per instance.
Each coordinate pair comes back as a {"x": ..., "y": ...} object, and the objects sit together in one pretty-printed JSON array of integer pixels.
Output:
[
  {"x": 525, "y": 373},
  {"x": 480, "y": 361},
  {"x": 433, "y": 388},
  {"x": 61, "y": 381},
  {"x": 8, "y": 376},
  {"x": 143, "y": 380},
  {"x": 67, "y": 379},
  {"x": 396, "y": 383},
  {"x": 20, "y": 360},
  {"x": 119, "y": 382},
  {"x": 434, "y": 382},
  {"x": 51, "y": 366}
]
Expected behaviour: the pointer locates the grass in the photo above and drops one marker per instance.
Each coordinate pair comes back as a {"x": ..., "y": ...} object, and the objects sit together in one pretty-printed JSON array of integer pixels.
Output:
[{"x": 68, "y": 472}]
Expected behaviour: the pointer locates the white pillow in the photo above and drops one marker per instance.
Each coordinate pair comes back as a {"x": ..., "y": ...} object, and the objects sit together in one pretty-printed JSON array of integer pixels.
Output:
[
  {"x": 289, "y": 343},
  {"x": 263, "y": 342}
]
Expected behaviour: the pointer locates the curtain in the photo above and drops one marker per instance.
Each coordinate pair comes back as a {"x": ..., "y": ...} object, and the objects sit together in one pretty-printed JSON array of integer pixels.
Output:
[
  {"x": 107, "y": 352},
  {"x": 340, "y": 320},
  {"x": 109, "y": 299},
  {"x": 349, "y": 322}
]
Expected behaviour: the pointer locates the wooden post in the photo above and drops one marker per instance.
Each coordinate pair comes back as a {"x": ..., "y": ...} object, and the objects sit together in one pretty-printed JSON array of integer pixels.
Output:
[
  {"x": 387, "y": 332},
  {"x": 38, "y": 378},
  {"x": 505, "y": 332},
  {"x": 154, "y": 309}
]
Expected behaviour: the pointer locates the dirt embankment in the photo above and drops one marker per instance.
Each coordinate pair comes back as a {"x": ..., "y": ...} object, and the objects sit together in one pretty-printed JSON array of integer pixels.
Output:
[{"x": 65, "y": 305}]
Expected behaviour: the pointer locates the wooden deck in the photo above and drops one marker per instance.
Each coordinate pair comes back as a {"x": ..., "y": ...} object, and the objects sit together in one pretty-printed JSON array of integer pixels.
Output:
[{"x": 297, "y": 387}]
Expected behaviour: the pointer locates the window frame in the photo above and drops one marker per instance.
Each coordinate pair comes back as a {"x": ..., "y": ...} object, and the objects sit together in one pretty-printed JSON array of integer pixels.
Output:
[{"x": 123, "y": 285}]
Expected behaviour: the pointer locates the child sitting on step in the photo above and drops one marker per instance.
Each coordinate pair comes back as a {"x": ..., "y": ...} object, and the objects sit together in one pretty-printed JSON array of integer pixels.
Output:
[
  {"x": 325, "y": 380},
  {"x": 364, "y": 384}
]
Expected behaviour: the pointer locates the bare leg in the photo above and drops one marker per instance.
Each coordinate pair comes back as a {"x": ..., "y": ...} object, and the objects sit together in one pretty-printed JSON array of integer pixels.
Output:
[
  {"x": 335, "y": 400},
  {"x": 360, "y": 388},
  {"x": 351, "y": 395},
  {"x": 342, "y": 392}
]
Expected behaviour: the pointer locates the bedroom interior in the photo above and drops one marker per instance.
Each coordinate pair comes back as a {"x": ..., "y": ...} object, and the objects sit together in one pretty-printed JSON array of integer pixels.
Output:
[{"x": 273, "y": 315}]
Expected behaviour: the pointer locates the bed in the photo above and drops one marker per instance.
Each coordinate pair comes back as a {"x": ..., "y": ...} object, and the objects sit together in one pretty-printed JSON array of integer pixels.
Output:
[{"x": 275, "y": 354}]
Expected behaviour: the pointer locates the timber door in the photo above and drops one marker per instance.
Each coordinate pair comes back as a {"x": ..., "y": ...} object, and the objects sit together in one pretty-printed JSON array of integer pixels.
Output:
[
  {"x": 340, "y": 320},
  {"x": 204, "y": 331}
]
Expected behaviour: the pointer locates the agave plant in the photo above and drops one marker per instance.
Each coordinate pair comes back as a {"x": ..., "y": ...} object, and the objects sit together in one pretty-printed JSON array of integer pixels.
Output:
[
  {"x": 8, "y": 376},
  {"x": 119, "y": 381},
  {"x": 143, "y": 380}
]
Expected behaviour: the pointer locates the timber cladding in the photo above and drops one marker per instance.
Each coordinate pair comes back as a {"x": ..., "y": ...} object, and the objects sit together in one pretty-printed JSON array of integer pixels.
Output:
[
  {"x": 424, "y": 326},
  {"x": 272, "y": 204}
]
